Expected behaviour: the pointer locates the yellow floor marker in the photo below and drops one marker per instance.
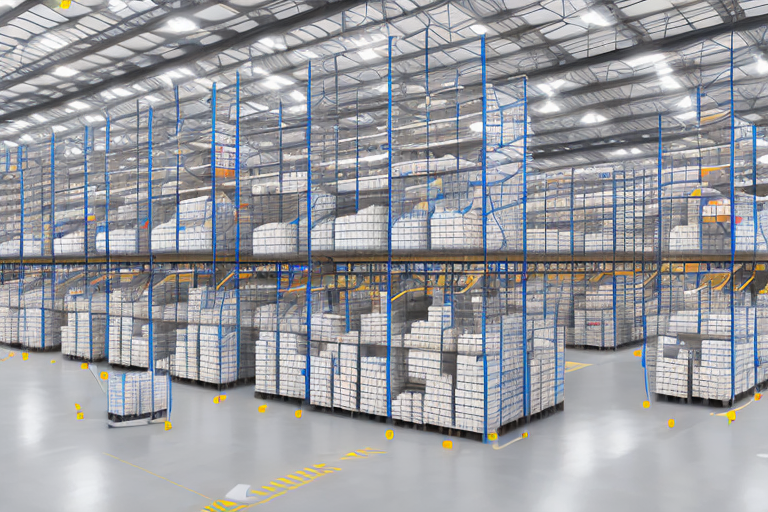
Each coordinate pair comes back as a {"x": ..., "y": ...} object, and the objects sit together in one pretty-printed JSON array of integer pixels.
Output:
[
  {"x": 298, "y": 413},
  {"x": 448, "y": 445},
  {"x": 492, "y": 436},
  {"x": 168, "y": 425},
  {"x": 11, "y": 354},
  {"x": 79, "y": 415},
  {"x": 104, "y": 375},
  {"x": 638, "y": 353},
  {"x": 389, "y": 434},
  {"x": 219, "y": 398},
  {"x": 263, "y": 408},
  {"x": 758, "y": 396},
  {"x": 646, "y": 404},
  {"x": 671, "y": 423},
  {"x": 24, "y": 356},
  {"x": 53, "y": 361},
  {"x": 84, "y": 366},
  {"x": 77, "y": 407},
  {"x": 525, "y": 434}
]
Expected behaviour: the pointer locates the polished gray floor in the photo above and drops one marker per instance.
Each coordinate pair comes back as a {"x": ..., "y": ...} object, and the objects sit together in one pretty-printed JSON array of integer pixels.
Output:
[{"x": 604, "y": 453}]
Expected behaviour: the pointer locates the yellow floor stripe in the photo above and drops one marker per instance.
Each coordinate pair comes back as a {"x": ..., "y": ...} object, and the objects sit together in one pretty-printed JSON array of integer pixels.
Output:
[
  {"x": 155, "y": 474},
  {"x": 571, "y": 366},
  {"x": 497, "y": 447},
  {"x": 724, "y": 414}
]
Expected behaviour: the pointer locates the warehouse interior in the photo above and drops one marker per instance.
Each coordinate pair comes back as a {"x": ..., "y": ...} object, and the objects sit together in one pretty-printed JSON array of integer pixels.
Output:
[{"x": 253, "y": 244}]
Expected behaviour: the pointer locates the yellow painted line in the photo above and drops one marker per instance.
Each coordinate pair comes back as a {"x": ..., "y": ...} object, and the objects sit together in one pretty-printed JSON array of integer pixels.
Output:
[
  {"x": 497, "y": 447},
  {"x": 155, "y": 474},
  {"x": 725, "y": 414},
  {"x": 571, "y": 366}
]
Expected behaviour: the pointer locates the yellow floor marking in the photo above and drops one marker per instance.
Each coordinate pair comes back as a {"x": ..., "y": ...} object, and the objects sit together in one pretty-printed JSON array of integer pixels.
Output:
[
  {"x": 571, "y": 366},
  {"x": 497, "y": 447},
  {"x": 725, "y": 414},
  {"x": 155, "y": 474}
]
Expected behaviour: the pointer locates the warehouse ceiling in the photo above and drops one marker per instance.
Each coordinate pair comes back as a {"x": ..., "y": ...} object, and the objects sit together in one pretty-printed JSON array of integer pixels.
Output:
[{"x": 600, "y": 71}]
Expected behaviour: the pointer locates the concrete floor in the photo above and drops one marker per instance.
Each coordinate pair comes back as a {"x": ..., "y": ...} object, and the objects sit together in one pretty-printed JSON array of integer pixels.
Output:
[{"x": 604, "y": 453}]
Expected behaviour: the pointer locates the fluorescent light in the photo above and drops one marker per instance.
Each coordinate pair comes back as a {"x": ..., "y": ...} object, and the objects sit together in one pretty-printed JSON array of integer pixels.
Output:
[
  {"x": 259, "y": 71},
  {"x": 267, "y": 42},
  {"x": 296, "y": 95},
  {"x": 476, "y": 127},
  {"x": 668, "y": 82},
  {"x": 620, "y": 152},
  {"x": 119, "y": 91},
  {"x": 368, "y": 54},
  {"x": 663, "y": 68},
  {"x": 686, "y": 115},
  {"x": 107, "y": 95},
  {"x": 270, "y": 84},
  {"x": 185, "y": 71},
  {"x": 763, "y": 159},
  {"x": 39, "y": 118},
  {"x": 594, "y": 18},
  {"x": 27, "y": 138},
  {"x": 10, "y": 143},
  {"x": 685, "y": 102},
  {"x": 59, "y": 128},
  {"x": 479, "y": 29},
  {"x": 180, "y": 25},
  {"x": 151, "y": 99},
  {"x": 549, "y": 107},
  {"x": 116, "y": 5},
  {"x": 652, "y": 58},
  {"x": 635, "y": 151},
  {"x": 593, "y": 118},
  {"x": 53, "y": 43},
  {"x": 139, "y": 88},
  {"x": 79, "y": 105},
  {"x": 65, "y": 72},
  {"x": 282, "y": 80},
  {"x": 21, "y": 124},
  {"x": 307, "y": 54},
  {"x": 762, "y": 66},
  {"x": 550, "y": 88},
  {"x": 94, "y": 119}
]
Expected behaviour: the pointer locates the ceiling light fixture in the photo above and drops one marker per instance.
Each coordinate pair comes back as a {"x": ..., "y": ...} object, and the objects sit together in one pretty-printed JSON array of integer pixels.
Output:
[
  {"x": 79, "y": 105},
  {"x": 635, "y": 151},
  {"x": 476, "y": 127},
  {"x": 151, "y": 99},
  {"x": 762, "y": 66},
  {"x": 368, "y": 54},
  {"x": 620, "y": 152},
  {"x": 39, "y": 118},
  {"x": 65, "y": 72},
  {"x": 296, "y": 95},
  {"x": 652, "y": 58},
  {"x": 685, "y": 102},
  {"x": 479, "y": 29},
  {"x": 181, "y": 25},
  {"x": 593, "y": 118},
  {"x": 119, "y": 91},
  {"x": 668, "y": 82},
  {"x": 763, "y": 159},
  {"x": 549, "y": 108},
  {"x": 53, "y": 43},
  {"x": 594, "y": 18},
  {"x": 686, "y": 115}
]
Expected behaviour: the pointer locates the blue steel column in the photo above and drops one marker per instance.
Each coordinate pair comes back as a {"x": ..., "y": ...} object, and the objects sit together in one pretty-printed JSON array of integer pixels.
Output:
[
  {"x": 754, "y": 238},
  {"x": 524, "y": 277},
  {"x": 483, "y": 157},
  {"x": 308, "y": 290},
  {"x": 178, "y": 161},
  {"x": 389, "y": 227},
  {"x": 237, "y": 212},
  {"x": 86, "y": 288},
  {"x": 19, "y": 160},
  {"x": 213, "y": 189},
  {"x": 106, "y": 234},
  {"x": 733, "y": 227},
  {"x": 150, "y": 300}
]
